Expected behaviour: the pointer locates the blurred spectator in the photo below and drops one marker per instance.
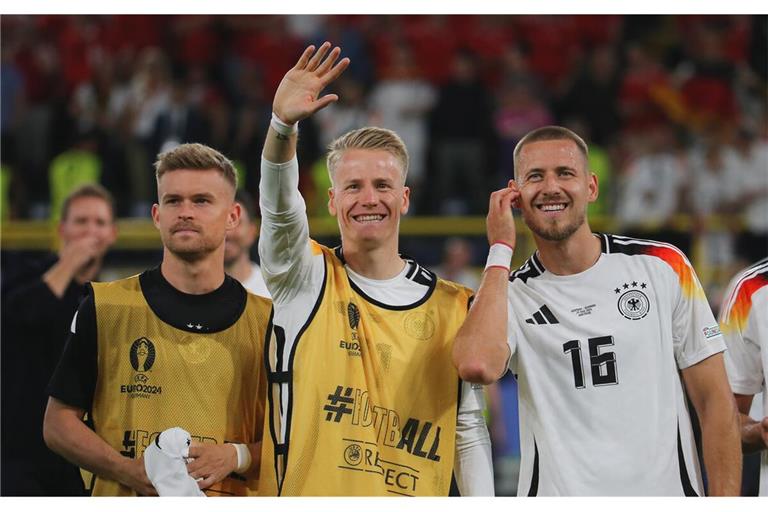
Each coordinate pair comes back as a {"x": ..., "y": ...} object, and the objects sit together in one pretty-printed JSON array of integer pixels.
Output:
[
  {"x": 400, "y": 101},
  {"x": 37, "y": 314},
  {"x": 100, "y": 102},
  {"x": 461, "y": 136},
  {"x": 600, "y": 163},
  {"x": 593, "y": 96},
  {"x": 248, "y": 114},
  {"x": 433, "y": 40},
  {"x": 38, "y": 60},
  {"x": 149, "y": 98},
  {"x": 347, "y": 114},
  {"x": 715, "y": 186},
  {"x": 644, "y": 79},
  {"x": 652, "y": 190},
  {"x": 621, "y": 75},
  {"x": 708, "y": 91},
  {"x": 456, "y": 263},
  {"x": 552, "y": 45},
  {"x": 99, "y": 106},
  {"x": 750, "y": 156},
  {"x": 180, "y": 122},
  {"x": 346, "y": 35},
  {"x": 519, "y": 112},
  {"x": 77, "y": 166}
]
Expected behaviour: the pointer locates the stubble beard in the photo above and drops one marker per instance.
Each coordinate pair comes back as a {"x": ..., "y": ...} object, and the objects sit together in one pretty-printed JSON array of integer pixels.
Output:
[
  {"x": 189, "y": 250},
  {"x": 551, "y": 232}
]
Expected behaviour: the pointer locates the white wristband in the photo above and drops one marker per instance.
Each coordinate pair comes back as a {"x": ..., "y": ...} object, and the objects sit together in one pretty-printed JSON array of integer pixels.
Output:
[
  {"x": 499, "y": 255},
  {"x": 243, "y": 457},
  {"x": 282, "y": 128}
]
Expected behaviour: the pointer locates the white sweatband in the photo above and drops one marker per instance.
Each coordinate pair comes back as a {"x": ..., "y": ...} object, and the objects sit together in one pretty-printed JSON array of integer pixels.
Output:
[
  {"x": 282, "y": 128},
  {"x": 499, "y": 255},
  {"x": 243, "y": 457}
]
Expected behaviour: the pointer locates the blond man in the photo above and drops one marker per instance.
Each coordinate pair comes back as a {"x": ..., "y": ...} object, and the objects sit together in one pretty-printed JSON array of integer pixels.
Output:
[
  {"x": 177, "y": 346},
  {"x": 362, "y": 398}
]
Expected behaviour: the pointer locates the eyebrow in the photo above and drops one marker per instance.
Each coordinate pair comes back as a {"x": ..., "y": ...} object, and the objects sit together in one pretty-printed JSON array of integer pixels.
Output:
[
  {"x": 558, "y": 168},
  {"x": 173, "y": 195}
]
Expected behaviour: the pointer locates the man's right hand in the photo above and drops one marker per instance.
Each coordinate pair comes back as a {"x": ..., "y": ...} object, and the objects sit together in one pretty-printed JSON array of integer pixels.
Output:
[
  {"x": 79, "y": 253},
  {"x": 134, "y": 475},
  {"x": 78, "y": 258},
  {"x": 500, "y": 224},
  {"x": 297, "y": 95}
]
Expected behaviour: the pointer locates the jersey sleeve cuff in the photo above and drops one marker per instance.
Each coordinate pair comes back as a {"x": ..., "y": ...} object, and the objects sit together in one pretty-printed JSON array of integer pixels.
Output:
[{"x": 712, "y": 348}]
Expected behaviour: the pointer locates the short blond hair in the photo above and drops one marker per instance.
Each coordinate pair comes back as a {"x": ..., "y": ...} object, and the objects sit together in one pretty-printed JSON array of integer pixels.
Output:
[
  {"x": 195, "y": 157},
  {"x": 369, "y": 137},
  {"x": 550, "y": 133},
  {"x": 89, "y": 190}
]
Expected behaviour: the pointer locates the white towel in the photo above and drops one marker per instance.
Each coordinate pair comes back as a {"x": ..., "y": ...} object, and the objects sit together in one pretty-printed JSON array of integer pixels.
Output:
[{"x": 166, "y": 465}]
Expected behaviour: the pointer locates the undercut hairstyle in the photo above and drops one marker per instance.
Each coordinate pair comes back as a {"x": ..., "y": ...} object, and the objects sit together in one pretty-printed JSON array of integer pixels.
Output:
[
  {"x": 550, "y": 133},
  {"x": 246, "y": 202},
  {"x": 369, "y": 138},
  {"x": 89, "y": 190},
  {"x": 195, "y": 157}
]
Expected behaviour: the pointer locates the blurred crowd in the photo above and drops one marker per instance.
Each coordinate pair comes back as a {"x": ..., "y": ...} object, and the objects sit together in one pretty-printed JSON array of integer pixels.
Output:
[{"x": 673, "y": 107}]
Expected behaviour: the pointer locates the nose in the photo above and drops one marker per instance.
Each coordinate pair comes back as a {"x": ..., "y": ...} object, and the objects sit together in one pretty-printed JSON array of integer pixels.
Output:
[
  {"x": 369, "y": 196},
  {"x": 185, "y": 210},
  {"x": 550, "y": 183}
]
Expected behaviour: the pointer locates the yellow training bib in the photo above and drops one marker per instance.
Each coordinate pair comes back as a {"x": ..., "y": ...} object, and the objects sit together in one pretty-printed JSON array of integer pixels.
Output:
[
  {"x": 152, "y": 376},
  {"x": 368, "y": 404}
]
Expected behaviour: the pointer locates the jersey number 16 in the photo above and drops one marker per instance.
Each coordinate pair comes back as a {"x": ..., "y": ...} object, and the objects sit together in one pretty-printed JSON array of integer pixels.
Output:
[{"x": 603, "y": 365}]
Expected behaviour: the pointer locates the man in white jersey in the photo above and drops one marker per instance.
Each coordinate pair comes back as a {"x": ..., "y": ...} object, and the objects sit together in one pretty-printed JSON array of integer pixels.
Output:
[
  {"x": 237, "y": 249},
  {"x": 744, "y": 321},
  {"x": 599, "y": 330},
  {"x": 368, "y": 196}
]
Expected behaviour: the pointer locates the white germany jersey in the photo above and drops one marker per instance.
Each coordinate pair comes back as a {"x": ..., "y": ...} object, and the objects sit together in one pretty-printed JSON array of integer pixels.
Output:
[
  {"x": 597, "y": 356},
  {"x": 744, "y": 321}
]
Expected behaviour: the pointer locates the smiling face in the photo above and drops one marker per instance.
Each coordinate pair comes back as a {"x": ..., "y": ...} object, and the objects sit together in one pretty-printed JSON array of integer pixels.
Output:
[
  {"x": 555, "y": 188},
  {"x": 368, "y": 197},
  {"x": 195, "y": 211}
]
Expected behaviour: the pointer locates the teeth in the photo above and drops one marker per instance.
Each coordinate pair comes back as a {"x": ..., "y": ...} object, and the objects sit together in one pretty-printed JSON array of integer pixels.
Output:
[
  {"x": 368, "y": 218},
  {"x": 552, "y": 207}
]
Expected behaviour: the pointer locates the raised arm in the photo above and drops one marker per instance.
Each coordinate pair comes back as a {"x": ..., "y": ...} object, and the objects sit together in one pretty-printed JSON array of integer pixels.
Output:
[
  {"x": 297, "y": 97},
  {"x": 481, "y": 350},
  {"x": 284, "y": 239},
  {"x": 707, "y": 386}
]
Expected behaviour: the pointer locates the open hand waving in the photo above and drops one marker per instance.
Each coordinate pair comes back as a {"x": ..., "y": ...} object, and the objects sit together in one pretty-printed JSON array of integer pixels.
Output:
[{"x": 297, "y": 95}]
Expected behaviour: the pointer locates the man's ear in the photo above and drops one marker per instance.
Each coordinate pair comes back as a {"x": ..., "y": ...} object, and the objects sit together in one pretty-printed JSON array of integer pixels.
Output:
[
  {"x": 331, "y": 197},
  {"x": 156, "y": 215},
  {"x": 233, "y": 219},
  {"x": 406, "y": 200},
  {"x": 594, "y": 188}
]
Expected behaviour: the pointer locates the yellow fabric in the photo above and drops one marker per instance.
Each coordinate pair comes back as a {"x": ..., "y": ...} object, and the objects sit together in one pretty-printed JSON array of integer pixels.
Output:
[
  {"x": 152, "y": 376},
  {"x": 68, "y": 171},
  {"x": 373, "y": 396}
]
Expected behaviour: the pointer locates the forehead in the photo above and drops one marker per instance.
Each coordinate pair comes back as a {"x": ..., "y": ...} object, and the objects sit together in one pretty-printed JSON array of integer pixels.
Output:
[
  {"x": 194, "y": 181},
  {"x": 356, "y": 164},
  {"x": 550, "y": 154},
  {"x": 89, "y": 206}
]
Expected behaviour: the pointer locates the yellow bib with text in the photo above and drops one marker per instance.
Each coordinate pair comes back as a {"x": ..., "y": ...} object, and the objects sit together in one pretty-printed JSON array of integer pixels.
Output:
[
  {"x": 152, "y": 376},
  {"x": 372, "y": 395}
]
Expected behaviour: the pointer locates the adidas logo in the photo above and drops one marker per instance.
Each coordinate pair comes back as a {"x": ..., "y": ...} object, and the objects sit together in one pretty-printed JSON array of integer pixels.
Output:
[{"x": 542, "y": 317}]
